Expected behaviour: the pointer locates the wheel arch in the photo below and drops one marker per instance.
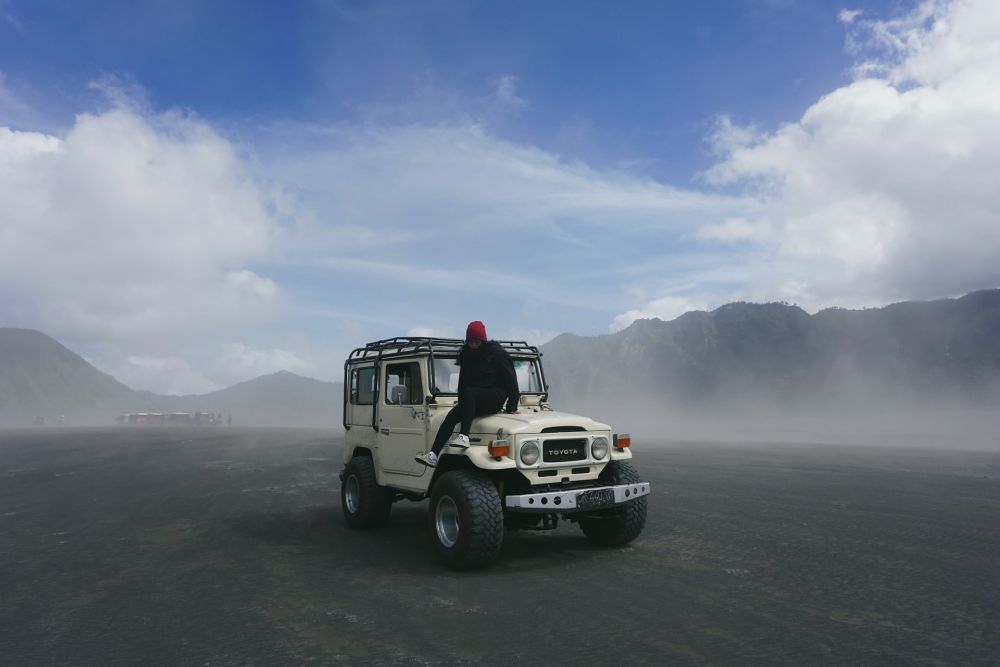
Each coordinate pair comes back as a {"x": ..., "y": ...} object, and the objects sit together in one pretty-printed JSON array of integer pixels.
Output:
[{"x": 448, "y": 463}]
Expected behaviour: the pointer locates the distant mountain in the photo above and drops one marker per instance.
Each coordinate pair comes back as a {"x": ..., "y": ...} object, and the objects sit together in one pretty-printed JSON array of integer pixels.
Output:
[
  {"x": 730, "y": 359},
  {"x": 279, "y": 399},
  {"x": 39, "y": 377},
  {"x": 946, "y": 350}
]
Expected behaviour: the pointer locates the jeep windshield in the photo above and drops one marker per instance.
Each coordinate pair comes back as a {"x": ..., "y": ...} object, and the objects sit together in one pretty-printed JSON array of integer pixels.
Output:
[{"x": 445, "y": 375}]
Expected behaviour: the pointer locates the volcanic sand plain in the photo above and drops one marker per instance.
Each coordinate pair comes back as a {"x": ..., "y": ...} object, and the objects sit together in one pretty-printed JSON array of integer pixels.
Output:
[{"x": 221, "y": 546}]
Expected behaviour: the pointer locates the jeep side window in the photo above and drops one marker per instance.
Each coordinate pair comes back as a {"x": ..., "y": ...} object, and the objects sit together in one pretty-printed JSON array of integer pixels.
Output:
[
  {"x": 403, "y": 386},
  {"x": 363, "y": 386},
  {"x": 445, "y": 375}
]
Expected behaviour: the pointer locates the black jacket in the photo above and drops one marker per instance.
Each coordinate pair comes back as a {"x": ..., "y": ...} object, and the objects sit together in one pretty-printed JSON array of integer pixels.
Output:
[{"x": 489, "y": 366}]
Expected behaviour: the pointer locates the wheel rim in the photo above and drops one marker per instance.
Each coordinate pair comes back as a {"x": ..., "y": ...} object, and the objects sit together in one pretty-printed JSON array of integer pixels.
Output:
[
  {"x": 446, "y": 521},
  {"x": 352, "y": 494}
]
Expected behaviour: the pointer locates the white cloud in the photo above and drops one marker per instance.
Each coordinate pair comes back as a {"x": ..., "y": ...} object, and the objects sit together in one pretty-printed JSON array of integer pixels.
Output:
[
  {"x": 666, "y": 308},
  {"x": 482, "y": 216},
  {"x": 736, "y": 230},
  {"x": 131, "y": 227},
  {"x": 848, "y": 16},
  {"x": 459, "y": 179},
  {"x": 505, "y": 92},
  {"x": 250, "y": 281},
  {"x": 886, "y": 187},
  {"x": 434, "y": 332},
  {"x": 530, "y": 336},
  {"x": 139, "y": 226}
]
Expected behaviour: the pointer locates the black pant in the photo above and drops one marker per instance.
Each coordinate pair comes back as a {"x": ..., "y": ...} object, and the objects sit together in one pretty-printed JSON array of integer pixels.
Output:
[{"x": 472, "y": 402}]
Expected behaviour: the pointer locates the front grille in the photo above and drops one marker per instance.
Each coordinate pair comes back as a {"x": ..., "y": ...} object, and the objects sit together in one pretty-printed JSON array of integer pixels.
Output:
[{"x": 564, "y": 449}]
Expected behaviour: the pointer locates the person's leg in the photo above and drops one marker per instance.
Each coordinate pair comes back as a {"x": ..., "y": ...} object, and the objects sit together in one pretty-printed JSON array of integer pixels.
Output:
[
  {"x": 472, "y": 403},
  {"x": 467, "y": 409},
  {"x": 447, "y": 426},
  {"x": 477, "y": 402}
]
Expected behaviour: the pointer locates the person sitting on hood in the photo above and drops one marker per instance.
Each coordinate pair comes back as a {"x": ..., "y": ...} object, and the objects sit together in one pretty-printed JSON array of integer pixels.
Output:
[{"x": 486, "y": 380}]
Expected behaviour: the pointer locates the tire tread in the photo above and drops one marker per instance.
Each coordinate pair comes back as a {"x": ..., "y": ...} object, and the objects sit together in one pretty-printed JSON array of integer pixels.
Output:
[
  {"x": 483, "y": 536},
  {"x": 375, "y": 501},
  {"x": 621, "y": 525}
]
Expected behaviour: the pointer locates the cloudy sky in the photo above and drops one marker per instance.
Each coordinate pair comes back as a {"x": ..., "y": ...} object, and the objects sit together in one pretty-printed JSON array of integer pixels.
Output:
[{"x": 193, "y": 194}]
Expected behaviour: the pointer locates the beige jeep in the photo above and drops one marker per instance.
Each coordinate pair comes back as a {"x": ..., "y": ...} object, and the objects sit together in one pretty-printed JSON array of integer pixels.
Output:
[{"x": 522, "y": 471}]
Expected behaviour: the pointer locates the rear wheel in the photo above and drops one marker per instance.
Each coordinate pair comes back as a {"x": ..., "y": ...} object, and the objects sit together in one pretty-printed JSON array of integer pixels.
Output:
[
  {"x": 365, "y": 503},
  {"x": 619, "y": 526},
  {"x": 466, "y": 519}
]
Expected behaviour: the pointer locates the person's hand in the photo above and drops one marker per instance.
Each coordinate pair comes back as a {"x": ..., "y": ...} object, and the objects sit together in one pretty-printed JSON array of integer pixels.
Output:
[{"x": 513, "y": 412}]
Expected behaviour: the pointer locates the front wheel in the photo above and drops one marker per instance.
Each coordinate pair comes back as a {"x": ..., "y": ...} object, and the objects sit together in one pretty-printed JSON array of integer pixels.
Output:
[
  {"x": 365, "y": 503},
  {"x": 619, "y": 526},
  {"x": 466, "y": 519}
]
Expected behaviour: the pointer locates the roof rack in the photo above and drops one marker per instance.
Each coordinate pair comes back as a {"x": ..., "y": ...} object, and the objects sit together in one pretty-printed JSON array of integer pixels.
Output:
[
  {"x": 404, "y": 346},
  {"x": 407, "y": 345}
]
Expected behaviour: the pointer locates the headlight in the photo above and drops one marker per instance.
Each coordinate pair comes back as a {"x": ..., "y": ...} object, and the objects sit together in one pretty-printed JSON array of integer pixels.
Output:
[
  {"x": 529, "y": 452},
  {"x": 599, "y": 447}
]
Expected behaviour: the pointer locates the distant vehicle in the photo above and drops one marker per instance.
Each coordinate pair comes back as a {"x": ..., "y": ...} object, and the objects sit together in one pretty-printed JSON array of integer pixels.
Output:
[
  {"x": 522, "y": 471},
  {"x": 160, "y": 419},
  {"x": 205, "y": 419},
  {"x": 179, "y": 419}
]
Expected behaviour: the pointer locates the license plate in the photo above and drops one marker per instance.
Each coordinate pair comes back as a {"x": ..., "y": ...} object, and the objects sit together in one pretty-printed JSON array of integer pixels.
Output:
[{"x": 596, "y": 498}]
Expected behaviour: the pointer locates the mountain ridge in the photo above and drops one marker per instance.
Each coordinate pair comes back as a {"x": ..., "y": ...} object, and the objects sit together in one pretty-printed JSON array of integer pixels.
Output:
[
  {"x": 738, "y": 354},
  {"x": 782, "y": 351},
  {"x": 40, "y": 377}
]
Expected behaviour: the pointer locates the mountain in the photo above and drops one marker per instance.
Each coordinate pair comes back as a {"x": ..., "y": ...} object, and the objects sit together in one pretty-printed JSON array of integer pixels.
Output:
[
  {"x": 736, "y": 358},
  {"x": 39, "y": 377},
  {"x": 279, "y": 399},
  {"x": 938, "y": 350}
]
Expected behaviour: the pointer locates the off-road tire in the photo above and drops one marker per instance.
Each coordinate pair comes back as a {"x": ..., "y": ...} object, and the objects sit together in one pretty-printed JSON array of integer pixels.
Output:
[
  {"x": 365, "y": 503},
  {"x": 465, "y": 510},
  {"x": 619, "y": 526}
]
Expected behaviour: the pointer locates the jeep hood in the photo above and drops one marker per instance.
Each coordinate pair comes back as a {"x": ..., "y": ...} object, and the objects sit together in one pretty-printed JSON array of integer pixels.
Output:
[{"x": 529, "y": 421}]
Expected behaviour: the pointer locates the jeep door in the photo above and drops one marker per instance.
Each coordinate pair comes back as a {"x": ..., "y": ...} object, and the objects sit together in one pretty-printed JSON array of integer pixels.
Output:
[
  {"x": 361, "y": 397},
  {"x": 402, "y": 417}
]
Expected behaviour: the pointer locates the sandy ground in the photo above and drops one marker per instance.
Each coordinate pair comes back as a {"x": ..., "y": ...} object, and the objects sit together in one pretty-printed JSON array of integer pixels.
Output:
[{"x": 227, "y": 547}]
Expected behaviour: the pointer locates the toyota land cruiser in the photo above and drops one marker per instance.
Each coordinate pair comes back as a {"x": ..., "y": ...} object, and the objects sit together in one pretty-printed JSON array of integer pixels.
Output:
[{"x": 522, "y": 471}]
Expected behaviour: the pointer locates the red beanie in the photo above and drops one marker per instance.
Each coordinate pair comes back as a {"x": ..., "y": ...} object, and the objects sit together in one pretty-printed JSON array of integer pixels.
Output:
[{"x": 476, "y": 331}]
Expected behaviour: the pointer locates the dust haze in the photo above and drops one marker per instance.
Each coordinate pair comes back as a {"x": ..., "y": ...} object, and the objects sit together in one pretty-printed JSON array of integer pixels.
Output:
[{"x": 858, "y": 411}]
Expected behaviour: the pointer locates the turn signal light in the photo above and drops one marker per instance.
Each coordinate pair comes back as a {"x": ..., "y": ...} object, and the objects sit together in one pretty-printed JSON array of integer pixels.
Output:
[
  {"x": 499, "y": 447},
  {"x": 623, "y": 440}
]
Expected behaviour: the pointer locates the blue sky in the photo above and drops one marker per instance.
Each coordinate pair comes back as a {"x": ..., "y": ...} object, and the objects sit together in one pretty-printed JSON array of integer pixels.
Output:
[
  {"x": 618, "y": 85},
  {"x": 196, "y": 193}
]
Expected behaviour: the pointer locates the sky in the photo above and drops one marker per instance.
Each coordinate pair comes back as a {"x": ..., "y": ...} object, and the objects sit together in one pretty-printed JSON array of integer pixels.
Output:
[{"x": 193, "y": 194}]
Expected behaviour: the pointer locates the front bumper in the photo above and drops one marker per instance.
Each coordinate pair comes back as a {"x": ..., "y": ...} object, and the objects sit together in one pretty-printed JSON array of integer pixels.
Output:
[{"x": 577, "y": 500}]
